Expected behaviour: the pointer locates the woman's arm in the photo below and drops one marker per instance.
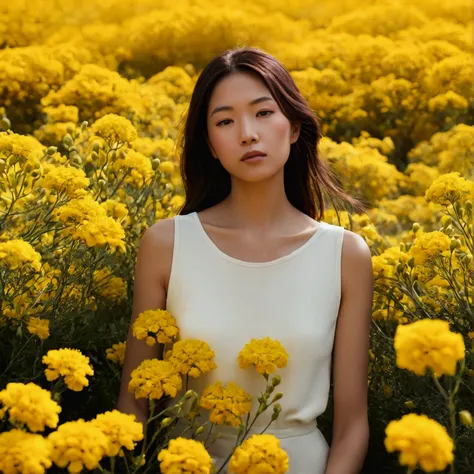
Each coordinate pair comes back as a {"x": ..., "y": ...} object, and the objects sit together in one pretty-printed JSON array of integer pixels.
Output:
[
  {"x": 149, "y": 292},
  {"x": 350, "y": 361}
]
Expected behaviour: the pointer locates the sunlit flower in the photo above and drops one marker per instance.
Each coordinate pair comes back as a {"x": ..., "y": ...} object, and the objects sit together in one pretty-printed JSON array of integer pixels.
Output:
[
  {"x": 264, "y": 354},
  {"x": 155, "y": 325},
  {"x": 192, "y": 357},
  {"x": 185, "y": 456}
]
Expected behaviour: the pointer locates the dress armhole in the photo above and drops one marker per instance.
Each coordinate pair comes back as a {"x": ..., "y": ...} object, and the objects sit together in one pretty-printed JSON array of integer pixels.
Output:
[
  {"x": 338, "y": 246},
  {"x": 174, "y": 259}
]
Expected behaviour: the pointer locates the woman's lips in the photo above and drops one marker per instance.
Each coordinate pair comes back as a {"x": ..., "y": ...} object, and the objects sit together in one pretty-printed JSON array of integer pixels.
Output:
[{"x": 254, "y": 159}]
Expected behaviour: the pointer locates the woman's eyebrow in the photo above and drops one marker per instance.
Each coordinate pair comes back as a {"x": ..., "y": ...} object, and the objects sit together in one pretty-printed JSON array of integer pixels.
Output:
[{"x": 228, "y": 107}]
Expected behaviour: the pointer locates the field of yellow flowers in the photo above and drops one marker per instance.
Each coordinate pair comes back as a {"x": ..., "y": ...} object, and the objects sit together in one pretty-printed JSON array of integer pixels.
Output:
[{"x": 92, "y": 98}]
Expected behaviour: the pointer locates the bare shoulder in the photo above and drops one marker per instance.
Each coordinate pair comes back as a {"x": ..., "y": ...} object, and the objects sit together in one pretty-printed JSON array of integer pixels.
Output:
[
  {"x": 356, "y": 260},
  {"x": 156, "y": 249}
]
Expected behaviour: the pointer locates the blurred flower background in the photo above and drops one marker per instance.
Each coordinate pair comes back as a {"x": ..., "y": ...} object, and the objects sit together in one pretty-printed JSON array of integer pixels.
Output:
[{"x": 92, "y": 98}]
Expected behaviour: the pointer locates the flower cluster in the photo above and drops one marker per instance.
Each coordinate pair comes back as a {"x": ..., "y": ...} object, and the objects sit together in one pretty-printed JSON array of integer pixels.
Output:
[
  {"x": 154, "y": 326},
  {"x": 116, "y": 353},
  {"x": 192, "y": 357},
  {"x": 121, "y": 430},
  {"x": 185, "y": 455},
  {"x": 265, "y": 354},
  {"x": 24, "y": 453},
  {"x": 29, "y": 404},
  {"x": 259, "y": 453},
  {"x": 70, "y": 364},
  {"x": 449, "y": 188},
  {"x": 78, "y": 445},
  {"x": 420, "y": 440},
  {"x": 428, "y": 344},
  {"x": 228, "y": 403},
  {"x": 38, "y": 326},
  {"x": 153, "y": 378},
  {"x": 16, "y": 253}
]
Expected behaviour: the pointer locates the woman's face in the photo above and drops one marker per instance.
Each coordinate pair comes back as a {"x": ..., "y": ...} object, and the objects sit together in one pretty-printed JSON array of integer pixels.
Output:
[{"x": 242, "y": 116}]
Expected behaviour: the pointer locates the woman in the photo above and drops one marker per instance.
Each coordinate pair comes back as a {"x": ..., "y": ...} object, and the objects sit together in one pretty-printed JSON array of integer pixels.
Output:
[{"x": 248, "y": 257}]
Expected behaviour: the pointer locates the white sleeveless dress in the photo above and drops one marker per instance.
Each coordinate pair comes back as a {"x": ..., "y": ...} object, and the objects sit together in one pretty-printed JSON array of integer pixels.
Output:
[{"x": 295, "y": 299}]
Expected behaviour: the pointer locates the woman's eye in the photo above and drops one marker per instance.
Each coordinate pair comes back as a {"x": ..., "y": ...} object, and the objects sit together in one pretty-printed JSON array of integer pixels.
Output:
[
  {"x": 269, "y": 112},
  {"x": 266, "y": 112}
]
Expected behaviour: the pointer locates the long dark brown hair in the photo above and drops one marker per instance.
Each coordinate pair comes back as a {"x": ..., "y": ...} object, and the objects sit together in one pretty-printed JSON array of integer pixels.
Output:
[{"x": 308, "y": 180}]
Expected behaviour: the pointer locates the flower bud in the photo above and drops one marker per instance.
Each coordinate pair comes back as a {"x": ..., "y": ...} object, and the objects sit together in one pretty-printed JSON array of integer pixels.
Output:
[
  {"x": 455, "y": 244},
  {"x": 190, "y": 394},
  {"x": 5, "y": 123},
  {"x": 276, "y": 380},
  {"x": 199, "y": 430},
  {"x": 400, "y": 268},
  {"x": 416, "y": 227},
  {"x": 96, "y": 147},
  {"x": 276, "y": 411},
  {"x": 101, "y": 183},
  {"x": 166, "y": 422},
  {"x": 84, "y": 126},
  {"x": 445, "y": 220},
  {"x": 169, "y": 187},
  {"x": 278, "y": 396},
  {"x": 465, "y": 417},
  {"x": 410, "y": 405},
  {"x": 68, "y": 141},
  {"x": 52, "y": 150},
  {"x": 411, "y": 262},
  {"x": 155, "y": 163}
]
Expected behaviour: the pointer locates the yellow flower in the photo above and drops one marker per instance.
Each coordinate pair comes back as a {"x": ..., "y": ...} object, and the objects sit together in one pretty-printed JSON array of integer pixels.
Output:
[
  {"x": 265, "y": 354},
  {"x": 24, "y": 453},
  {"x": 428, "y": 344},
  {"x": 428, "y": 246},
  {"x": 31, "y": 405},
  {"x": 116, "y": 353},
  {"x": 15, "y": 253},
  {"x": 448, "y": 188},
  {"x": 155, "y": 325},
  {"x": 38, "y": 326},
  {"x": 66, "y": 179},
  {"x": 78, "y": 444},
  {"x": 153, "y": 378},
  {"x": 69, "y": 363},
  {"x": 192, "y": 357},
  {"x": 114, "y": 129},
  {"x": 259, "y": 453},
  {"x": 228, "y": 404},
  {"x": 420, "y": 440},
  {"x": 122, "y": 430},
  {"x": 186, "y": 456},
  {"x": 166, "y": 167}
]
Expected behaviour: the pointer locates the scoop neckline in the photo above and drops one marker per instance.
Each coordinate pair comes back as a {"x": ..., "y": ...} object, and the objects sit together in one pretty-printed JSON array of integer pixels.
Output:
[{"x": 210, "y": 242}]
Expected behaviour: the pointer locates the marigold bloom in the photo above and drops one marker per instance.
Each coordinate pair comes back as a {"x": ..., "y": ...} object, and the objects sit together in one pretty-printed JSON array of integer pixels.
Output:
[
  {"x": 264, "y": 354},
  {"x": 116, "y": 353},
  {"x": 114, "y": 129},
  {"x": 192, "y": 357},
  {"x": 185, "y": 455},
  {"x": 259, "y": 453},
  {"x": 153, "y": 378},
  {"x": 448, "y": 188},
  {"x": 428, "y": 344},
  {"x": 69, "y": 363},
  {"x": 155, "y": 325},
  {"x": 24, "y": 453},
  {"x": 29, "y": 404},
  {"x": 228, "y": 404},
  {"x": 16, "y": 252},
  {"x": 38, "y": 326},
  {"x": 66, "y": 179},
  {"x": 78, "y": 444},
  {"x": 122, "y": 430},
  {"x": 429, "y": 245},
  {"x": 420, "y": 440}
]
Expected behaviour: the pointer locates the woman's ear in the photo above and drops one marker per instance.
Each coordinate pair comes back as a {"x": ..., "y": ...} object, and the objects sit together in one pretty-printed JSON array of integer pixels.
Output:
[{"x": 295, "y": 132}]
